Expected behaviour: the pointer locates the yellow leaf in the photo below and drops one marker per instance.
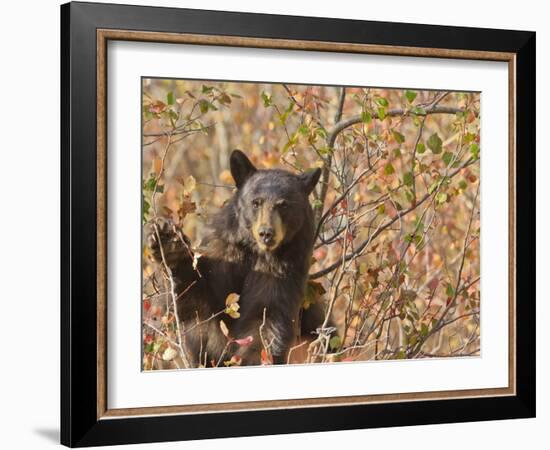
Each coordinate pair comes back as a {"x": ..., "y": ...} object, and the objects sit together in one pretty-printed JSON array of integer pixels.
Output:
[
  {"x": 314, "y": 293},
  {"x": 234, "y": 361},
  {"x": 232, "y": 298},
  {"x": 319, "y": 163},
  {"x": 189, "y": 185},
  {"x": 233, "y": 308},
  {"x": 224, "y": 328},
  {"x": 169, "y": 354}
]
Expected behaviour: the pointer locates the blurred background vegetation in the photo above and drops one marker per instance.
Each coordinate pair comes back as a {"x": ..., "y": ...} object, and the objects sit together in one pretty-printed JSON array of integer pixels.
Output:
[{"x": 396, "y": 261}]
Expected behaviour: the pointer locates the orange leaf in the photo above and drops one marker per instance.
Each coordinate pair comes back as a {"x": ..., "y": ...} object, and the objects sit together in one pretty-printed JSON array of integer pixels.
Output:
[
  {"x": 266, "y": 358},
  {"x": 157, "y": 165}
]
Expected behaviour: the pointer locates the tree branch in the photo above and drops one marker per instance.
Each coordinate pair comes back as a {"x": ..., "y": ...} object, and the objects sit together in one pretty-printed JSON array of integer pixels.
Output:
[
  {"x": 339, "y": 199},
  {"x": 389, "y": 223},
  {"x": 343, "y": 124},
  {"x": 325, "y": 174}
]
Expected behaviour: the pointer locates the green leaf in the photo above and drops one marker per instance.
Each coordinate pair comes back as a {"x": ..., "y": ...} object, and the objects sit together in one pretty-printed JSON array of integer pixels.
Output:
[
  {"x": 335, "y": 343},
  {"x": 381, "y": 113},
  {"x": 418, "y": 111},
  {"x": 149, "y": 185},
  {"x": 286, "y": 147},
  {"x": 381, "y": 209},
  {"x": 408, "y": 178},
  {"x": 303, "y": 130},
  {"x": 441, "y": 198},
  {"x": 424, "y": 330},
  {"x": 284, "y": 116},
  {"x": 149, "y": 348},
  {"x": 324, "y": 151},
  {"x": 372, "y": 186},
  {"x": 174, "y": 116},
  {"x": 419, "y": 225},
  {"x": 267, "y": 99},
  {"x": 433, "y": 187},
  {"x": 411, "y": 95},
  {"x": 366, "y": 117},
  {"x": 474, "y": 150},
  {"x": 146, "y": 208},
  {"x": 450, "y": 291},
  {"x": 389, "y": 169},
  {"x": 170, "y": 98},
  {"x": 448, "y": 157},
  {"x": 204, "y": 106},
  {"x": 381, "y": 101},
  {"x": 435, "y": 143},
  {"x": 398, "y": 137},
  {"x": 462, "y": 185},
  {"x": 315, "y": 204},
  {"x": 420, "y": 148},
  {"x": 207, "y": 89},
  {"x": 290, "y": 107},
  {"x": 321, "y": 132}
]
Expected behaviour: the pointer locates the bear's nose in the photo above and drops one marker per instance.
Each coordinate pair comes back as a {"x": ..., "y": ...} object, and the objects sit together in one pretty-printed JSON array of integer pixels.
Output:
[{"x": 266, "y": 233}]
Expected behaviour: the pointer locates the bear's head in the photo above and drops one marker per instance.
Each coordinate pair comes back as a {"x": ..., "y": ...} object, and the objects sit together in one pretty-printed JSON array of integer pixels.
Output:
[{"x": 272, "y": 205}]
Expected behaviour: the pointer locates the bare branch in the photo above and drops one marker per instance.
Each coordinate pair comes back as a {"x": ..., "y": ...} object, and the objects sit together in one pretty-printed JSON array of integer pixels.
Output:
[
  {"x": 325, "y": 174},
  {"x": 183, "y": 354}
]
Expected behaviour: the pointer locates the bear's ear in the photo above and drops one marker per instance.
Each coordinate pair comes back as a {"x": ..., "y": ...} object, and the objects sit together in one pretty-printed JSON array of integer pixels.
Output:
[
  {"x": 309, "y": 179},
  {"x": 241, "y": 167}
]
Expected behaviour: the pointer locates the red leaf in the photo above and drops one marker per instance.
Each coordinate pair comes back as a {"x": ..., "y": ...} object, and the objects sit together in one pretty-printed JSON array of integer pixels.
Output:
[
  {"x": 244, "y": 342},
  {"x": 266, "y": 358},
  {"x": 157, "y": 107},
  {"x": 432, "y": 285}
]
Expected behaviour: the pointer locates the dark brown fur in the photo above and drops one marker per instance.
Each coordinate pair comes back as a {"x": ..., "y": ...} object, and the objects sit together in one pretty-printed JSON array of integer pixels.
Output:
[{"x": 259, "y": 246}]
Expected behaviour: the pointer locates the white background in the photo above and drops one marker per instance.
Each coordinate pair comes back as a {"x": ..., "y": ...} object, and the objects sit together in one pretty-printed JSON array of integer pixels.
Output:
[
  {"x": 128, "y": 387},
  {"x": 29, "y": 372}
]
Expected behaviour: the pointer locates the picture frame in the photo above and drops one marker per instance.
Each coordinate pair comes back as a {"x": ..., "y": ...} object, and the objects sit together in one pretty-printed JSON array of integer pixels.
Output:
[{"x": 86, "y": 30}]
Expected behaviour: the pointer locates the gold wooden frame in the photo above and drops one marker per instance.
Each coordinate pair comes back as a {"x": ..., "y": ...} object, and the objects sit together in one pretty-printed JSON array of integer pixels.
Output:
[{"x": 103, "y": 36}]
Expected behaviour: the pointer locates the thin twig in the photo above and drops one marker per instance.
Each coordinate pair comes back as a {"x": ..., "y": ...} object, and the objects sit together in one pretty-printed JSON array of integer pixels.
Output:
[{"x": 183, "y": 355}]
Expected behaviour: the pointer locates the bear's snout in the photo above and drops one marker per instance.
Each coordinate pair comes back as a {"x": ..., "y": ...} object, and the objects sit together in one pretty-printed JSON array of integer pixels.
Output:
[{"x": 266, "y": 234}]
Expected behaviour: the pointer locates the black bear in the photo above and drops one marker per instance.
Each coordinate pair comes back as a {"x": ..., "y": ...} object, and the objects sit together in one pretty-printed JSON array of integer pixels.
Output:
[{"x": 258, "y": 246}]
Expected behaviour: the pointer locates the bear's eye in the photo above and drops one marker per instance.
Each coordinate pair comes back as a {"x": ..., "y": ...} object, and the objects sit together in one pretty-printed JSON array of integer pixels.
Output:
[
  {"x": 256, "y": 203},
  {"x": 282, "y": 204}
]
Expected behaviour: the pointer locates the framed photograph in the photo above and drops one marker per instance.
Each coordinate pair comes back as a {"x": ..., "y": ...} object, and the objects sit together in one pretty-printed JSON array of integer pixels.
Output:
[{"x": 277, "y": 224}]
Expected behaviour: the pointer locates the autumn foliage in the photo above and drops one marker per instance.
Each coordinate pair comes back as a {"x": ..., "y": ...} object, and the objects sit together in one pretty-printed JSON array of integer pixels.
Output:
[{"x": 396, "y": 259}]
